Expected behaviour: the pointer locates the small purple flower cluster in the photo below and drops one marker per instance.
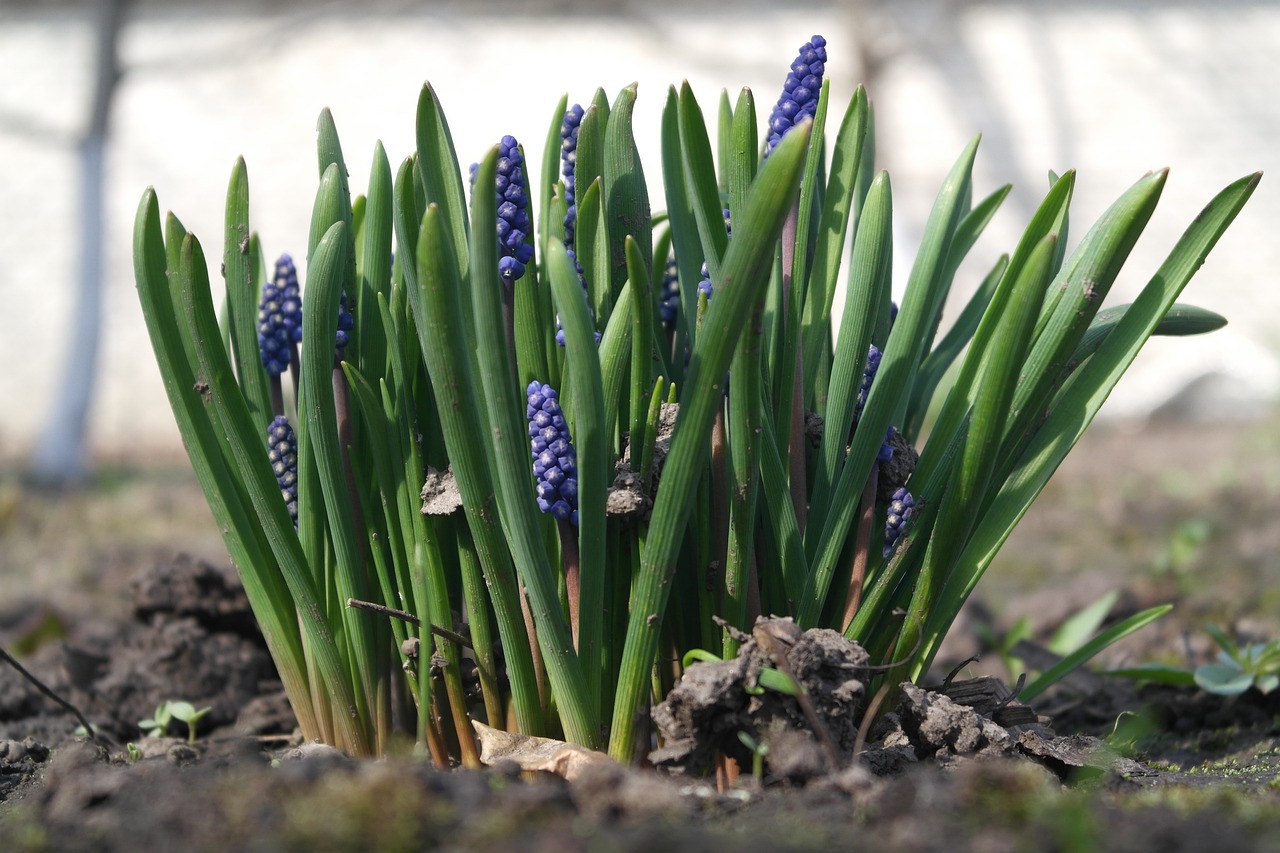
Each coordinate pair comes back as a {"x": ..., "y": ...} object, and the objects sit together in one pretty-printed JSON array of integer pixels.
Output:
[
  {"x": 901, "y": 508},
  {"x": 345, "y": 323},
  {"x": 555, "y": 465},
  {"x": 282, "y": 450},
  {"x": 279, "y": 317},
  {"x": 868, "y": 376},
  {"x": 513, "y": 211},
  {"x": 800, "y": 92},
  {"x": 705, "y": 285},
  {"x": 569, "y": 128},
  {"x": 669, "y": 296}
]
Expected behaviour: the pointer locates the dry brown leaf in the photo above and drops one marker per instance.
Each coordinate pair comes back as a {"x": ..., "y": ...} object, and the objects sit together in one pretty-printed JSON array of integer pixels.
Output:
[{"x": 535, "y": 753}]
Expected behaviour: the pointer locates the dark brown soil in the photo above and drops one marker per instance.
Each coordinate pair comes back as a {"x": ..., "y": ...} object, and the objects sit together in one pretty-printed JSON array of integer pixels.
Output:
[{"x": 114, "y": 622}]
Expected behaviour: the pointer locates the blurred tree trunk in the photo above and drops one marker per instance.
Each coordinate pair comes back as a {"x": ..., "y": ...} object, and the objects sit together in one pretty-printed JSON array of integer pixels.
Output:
[{"x": 60, "y": 457}]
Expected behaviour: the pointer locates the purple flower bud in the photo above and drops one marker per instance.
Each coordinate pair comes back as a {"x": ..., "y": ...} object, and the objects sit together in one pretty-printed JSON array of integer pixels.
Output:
[
  {"x": 513, "y": 217},
  {"x": 554, "y": 459},
  {"x": 279, "y": 317},
  {"x": 901, "y": 509},
  {"x": 282, "y": 453},
  {"x": 799, "y": 98}
]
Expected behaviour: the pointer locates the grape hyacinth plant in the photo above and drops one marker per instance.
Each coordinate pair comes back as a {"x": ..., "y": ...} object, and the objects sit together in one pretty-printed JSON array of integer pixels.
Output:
[{"x": 436, "y": 479}]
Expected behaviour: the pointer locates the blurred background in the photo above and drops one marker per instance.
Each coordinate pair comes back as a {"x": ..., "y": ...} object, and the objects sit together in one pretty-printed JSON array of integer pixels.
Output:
[{"x": 105, "y": 97}]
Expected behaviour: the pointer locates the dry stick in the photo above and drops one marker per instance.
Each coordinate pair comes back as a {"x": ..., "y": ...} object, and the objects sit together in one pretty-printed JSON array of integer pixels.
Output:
[
  {"x": 430, "y": 720},
  {"x": 569, "y": 554},
  {"x": 39, "y": 685},
  {"x": 383, "y": 610},
  {"x": 431, "y": 727},
  {"x": 868, "y": 718},
  {"x": 862, "y": 548},
  {"x": 776, "y": 649}
]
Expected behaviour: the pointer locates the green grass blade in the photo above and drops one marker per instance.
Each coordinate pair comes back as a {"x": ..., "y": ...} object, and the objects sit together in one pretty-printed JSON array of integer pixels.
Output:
[
  {"x": 437, "y": 311},
  {"x": 825, "y": 536},
  {"x": 838, "y": 203},
  {"x": 870, "y": 268},
  {"x": 1085, "y": 653},
  {"x": 626, "y": 196},
  {"x": 700, "y": 182},
  {"x": 250, "y": 457},
  {"x": 970, "y": 479},
  {"x": 1076, "y": 407},
  {"x": 595, "y": 469},
  {"x": 441, "y": 177},
  {"x": 267, "y": 591},
  {"x": 743, "y": 281},
  {"x": 243, "y": 298},
  {"x": 375, "y": 268},
  {"x": 508, "y": 436}
]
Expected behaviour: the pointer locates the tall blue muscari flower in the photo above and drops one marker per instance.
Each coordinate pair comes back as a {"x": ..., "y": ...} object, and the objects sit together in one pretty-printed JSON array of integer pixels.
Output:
[
  {"x": 799, "y": 98},
  {"x": 569, "y": 128},
  {"x": 555, "y": 465},
  {"x": 513, "y": 211},
  {"x": 279, "y": 317},
  {"x": 282, "y": 451},
  {"x": 901, "y": 507}
]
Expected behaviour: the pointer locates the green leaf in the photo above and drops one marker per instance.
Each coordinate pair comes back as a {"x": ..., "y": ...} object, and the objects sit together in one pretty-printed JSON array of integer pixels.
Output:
[
  {"x": 1223, "y": 679},
  {"x": 1076, "y": 630},
  {"x": 508, "y": 437},
  {"x": 1156, "y": 673},
  {"x": 437, "y": 308},
  {"x": 837, "y": 213},
  {"x": 742, "y": 282},
  {"x": 441, "y": 177},
  {"x": 243, "y": 297},
  {"x": 595, "y": 469},
  {"x": 266, "y": 588},
  {"x": 1086, "y": 652},
  {"x": 626, "y": 195},
  {"x": 825, "y": 535}
]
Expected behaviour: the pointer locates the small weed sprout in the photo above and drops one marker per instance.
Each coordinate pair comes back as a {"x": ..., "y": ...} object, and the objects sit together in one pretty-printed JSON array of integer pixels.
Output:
[{"x": 167, "y": 712}]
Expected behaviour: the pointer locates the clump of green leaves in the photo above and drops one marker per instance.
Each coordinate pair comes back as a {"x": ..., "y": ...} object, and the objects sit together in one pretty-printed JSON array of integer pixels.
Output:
[
  {"x": 1239, "y": 667},
  {"x": 731, "y": 430}
]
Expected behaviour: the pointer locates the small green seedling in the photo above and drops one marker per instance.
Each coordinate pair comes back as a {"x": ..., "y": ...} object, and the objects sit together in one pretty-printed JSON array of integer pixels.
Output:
[
  {"x": 167, "y": 712},
  {"x": 1240, "y": 667},
  {"x": 758, "y": 752},
  {"x": 131, "y": 749}
]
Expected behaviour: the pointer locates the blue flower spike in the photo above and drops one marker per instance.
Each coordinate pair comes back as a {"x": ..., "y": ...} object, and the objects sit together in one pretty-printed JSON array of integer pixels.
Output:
[
  {"x": 901, "y": 508},
  {"x": 799, "y": 98},
  {"x": 282, "y": 451},
  {"x": 555, "y": 465},
  {"x": 280, "y": 317},
  {"x": 513, "y": 212},
  {"x": 569, "y": 128}
]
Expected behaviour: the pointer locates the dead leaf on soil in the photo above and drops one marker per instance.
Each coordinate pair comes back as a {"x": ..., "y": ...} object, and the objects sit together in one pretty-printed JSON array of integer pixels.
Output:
[{"x": 535, "y": 753}]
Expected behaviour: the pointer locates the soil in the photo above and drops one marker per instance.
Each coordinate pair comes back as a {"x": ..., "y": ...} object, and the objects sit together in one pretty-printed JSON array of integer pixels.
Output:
[{"x": 103, "y": 604}]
